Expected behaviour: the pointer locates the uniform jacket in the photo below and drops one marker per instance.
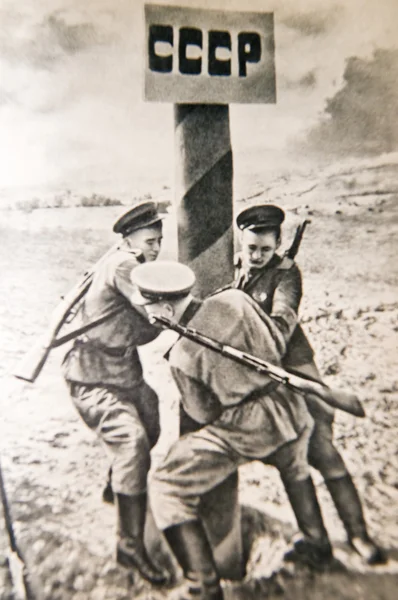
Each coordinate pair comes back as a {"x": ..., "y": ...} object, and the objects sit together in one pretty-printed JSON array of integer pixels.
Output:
[
  {"x": 277, "y": 288},
  {"x": 243, "y": 406},
  {"x": 107, "y": 355}
]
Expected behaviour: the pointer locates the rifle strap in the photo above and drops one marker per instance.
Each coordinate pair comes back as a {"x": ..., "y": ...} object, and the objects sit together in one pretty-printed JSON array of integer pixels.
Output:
[{"x": 84, "y": 328}]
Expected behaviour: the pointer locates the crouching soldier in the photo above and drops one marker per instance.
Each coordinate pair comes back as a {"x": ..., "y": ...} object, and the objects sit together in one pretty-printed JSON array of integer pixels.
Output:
[
  {"x": 274, "y": 282},
  {"x": 244, "y": 415},
  {"x": 105, "y": 379}
]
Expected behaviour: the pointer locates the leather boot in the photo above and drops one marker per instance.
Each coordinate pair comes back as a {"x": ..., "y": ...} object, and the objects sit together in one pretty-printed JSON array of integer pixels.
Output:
[
  {"x": 131, "y": 550},
  {"x": 314, "y": 548},
  {"x": 348, "y": 504},
  {"x": 192, "y": 550}
]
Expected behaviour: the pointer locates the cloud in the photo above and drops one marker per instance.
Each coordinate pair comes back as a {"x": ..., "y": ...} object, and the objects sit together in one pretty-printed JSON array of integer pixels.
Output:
[
  {"x": 71, "y": 38},
  {"x": 307, "y": 81},
  {"x": 72, "y": 106},
  {"x": 42, "y": 44},
  {"x": 361, "y": 116},
  {"x": 48, "y": 62},
  {"x": 312, "y": 23}
]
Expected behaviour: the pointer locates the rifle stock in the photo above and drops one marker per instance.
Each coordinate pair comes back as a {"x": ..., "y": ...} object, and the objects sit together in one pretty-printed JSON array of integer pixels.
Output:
[
  {"x": 335, "y": 398},
  {"x": 292, "y": 251},
  {"x": 34, "y": 360},
  {"x": 346, "y": 401}
]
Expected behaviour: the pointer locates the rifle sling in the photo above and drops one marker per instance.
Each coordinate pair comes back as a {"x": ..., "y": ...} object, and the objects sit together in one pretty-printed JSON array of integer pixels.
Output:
[{"x": 80, "y": 330}]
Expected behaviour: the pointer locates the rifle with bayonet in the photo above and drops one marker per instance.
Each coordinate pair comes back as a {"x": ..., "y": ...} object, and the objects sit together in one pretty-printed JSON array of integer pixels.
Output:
[
  {"x": 35, "y": 359},
  {"x": 345, "y": 401}
]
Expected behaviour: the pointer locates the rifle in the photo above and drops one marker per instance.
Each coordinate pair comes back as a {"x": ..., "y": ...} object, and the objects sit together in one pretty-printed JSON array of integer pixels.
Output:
[
  {"x": 292, "y": 251},
  {"x": 25, "y": 587},
  {"x": 337, "y": 399},
  {"x": 35, "y": 359}
]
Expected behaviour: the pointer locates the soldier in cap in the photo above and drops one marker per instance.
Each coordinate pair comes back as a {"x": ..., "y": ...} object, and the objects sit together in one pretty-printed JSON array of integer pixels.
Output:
[
  {"x": 243, "y": 416},
  {"x": 105, "y": 379},
  {"x": 274, "y": 282}
]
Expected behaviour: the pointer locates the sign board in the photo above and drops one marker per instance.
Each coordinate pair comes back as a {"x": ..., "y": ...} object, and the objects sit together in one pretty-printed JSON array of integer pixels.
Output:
[{"x": 209, "y": 57}]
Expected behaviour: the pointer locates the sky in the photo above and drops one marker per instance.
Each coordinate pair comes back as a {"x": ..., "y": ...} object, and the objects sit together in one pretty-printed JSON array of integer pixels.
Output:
[{"x": 72, "y": 114}]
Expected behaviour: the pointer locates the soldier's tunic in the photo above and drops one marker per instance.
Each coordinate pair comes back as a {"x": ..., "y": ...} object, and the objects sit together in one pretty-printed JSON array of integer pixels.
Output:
[
  {"x": 277, "y": 288},
  {"x": 245, "y": 416},
  {"x": 105, "y": 375}
]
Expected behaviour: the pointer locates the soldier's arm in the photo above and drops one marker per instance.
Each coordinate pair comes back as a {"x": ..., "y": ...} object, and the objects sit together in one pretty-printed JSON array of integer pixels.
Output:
[
  {"x": 286, "y": 301},
  {"x": 121, "y": 281},
  {"x": 121, "y": 278}
]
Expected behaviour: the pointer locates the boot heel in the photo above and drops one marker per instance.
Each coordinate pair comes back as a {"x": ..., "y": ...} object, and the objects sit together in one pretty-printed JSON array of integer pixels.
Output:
[{"x": 123, "y": 560}]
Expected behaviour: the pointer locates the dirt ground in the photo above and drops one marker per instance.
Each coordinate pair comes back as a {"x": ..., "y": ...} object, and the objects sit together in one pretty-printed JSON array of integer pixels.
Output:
[{"x": 54, "y": 467}]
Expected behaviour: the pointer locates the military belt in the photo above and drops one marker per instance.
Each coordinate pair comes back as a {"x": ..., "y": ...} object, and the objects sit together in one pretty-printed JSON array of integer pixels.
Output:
[{"x": 114, "y": 351}]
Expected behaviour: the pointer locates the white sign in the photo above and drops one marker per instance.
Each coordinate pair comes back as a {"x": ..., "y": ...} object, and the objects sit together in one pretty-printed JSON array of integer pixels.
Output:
[{"x": 207, "y": 56}]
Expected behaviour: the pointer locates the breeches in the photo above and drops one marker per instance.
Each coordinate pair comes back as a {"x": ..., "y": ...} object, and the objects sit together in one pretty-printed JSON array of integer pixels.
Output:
[
  {"x": 322, "y": 454},
  {"x": 127, "y": 423},
  {"x": 199, "y": 461}
]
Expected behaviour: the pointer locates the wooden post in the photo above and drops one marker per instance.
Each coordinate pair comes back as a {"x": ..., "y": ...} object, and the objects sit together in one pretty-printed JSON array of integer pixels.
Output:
[
  {"x": 205, "y": 242},
  {"x": 203, "y": 189}
]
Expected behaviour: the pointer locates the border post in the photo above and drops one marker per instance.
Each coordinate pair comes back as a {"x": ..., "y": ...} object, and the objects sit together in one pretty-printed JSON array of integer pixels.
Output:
[{"x": 202, "y": 60}]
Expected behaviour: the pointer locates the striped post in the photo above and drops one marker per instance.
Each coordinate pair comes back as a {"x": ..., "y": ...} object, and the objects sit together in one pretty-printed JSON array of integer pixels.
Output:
[{"x": 203, "y": 186}]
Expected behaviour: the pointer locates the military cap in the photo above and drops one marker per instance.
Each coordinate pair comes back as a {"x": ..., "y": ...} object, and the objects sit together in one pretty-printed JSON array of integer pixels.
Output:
[
  {"x": 161, "y": 280},
  {"x": 262, "y": 215},
  {"x": 141, "y": 215}
]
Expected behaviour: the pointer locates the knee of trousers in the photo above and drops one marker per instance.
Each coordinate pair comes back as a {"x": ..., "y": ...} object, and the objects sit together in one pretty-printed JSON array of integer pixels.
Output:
[
  {"x": 131, "y": 460},
  {"x": 325, "y": 458},
  {"x": 292, "y": 459},
  {"x": 130, "y": 471},
  {"x": 147, "y": 405},
  {"x": 170, "y": 506}
]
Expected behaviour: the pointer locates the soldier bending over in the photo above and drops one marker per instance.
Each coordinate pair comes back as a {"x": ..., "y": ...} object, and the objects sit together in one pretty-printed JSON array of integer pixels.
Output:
[{"x": 244, "y": 416}]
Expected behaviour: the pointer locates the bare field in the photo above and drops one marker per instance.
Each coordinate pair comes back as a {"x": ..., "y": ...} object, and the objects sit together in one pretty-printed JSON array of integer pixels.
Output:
[{"x": 55, "y": 469}]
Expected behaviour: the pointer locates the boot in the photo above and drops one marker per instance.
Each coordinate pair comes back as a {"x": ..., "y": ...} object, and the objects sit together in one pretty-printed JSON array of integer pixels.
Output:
[
  {"x": 348, "y": 504},
  {"x": 131, "y": 550},
  {"x": 192, "y": 550},
  {"x": 314, "y": 548},
  {"x": 107, "y": 493}
]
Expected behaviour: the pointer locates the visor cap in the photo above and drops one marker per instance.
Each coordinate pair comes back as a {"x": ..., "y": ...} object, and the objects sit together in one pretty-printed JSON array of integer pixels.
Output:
[
  {"x": 262, "y": 215},
  {"x": 161, "y": 280},
  {"x": 142, "y": 215}
]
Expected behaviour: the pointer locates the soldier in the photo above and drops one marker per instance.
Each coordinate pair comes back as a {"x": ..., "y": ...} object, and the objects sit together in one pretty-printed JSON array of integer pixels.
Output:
[
  {"x": 244, "y": 417},
  {"x": 104, "y": 375},
  {"x": 275, "y": 284}
]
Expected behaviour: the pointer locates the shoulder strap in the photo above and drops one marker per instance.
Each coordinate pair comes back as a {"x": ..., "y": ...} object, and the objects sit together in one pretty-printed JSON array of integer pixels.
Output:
[
  {"x": 80, "y": 330},
  {"x": 286, "y": 264}
]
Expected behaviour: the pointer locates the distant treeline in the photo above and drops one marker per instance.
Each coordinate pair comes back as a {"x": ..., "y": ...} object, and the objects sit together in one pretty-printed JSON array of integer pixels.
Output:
[
  {"x": 69, "y": 200},
  {"x": 65, "y": 200}
]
